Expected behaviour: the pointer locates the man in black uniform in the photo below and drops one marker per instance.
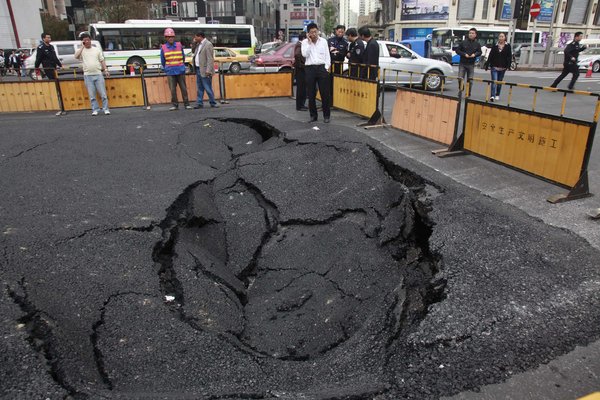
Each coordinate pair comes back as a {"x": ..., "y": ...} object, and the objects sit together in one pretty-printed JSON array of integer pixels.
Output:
[
  {"x": 371, "y": 54},
  {"x": 356, "y": 52},
  {"x": 47, "y": 57},
  {"x": 338, "y": 47},
  {"x": 570, "y": 64}
]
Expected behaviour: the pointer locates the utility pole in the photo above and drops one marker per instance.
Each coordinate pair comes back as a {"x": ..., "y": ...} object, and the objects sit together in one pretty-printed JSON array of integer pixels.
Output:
[
  {"x": 513, "y": 22},
  {"x": 549, "y": 40}
]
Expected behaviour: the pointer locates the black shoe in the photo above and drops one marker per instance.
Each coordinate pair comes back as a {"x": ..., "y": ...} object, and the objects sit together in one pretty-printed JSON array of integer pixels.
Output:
[
  {"x": 302, "y": 108},
  {"x": 197, "y": 106},
  {"x": 326, "y": 120},
  {"x": 313, "y": 119},
  {"x": 214, "y": 106}
]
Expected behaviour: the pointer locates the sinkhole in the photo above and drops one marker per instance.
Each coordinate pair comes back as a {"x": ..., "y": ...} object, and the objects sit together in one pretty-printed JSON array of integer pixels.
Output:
[{"x": 294, "y": 245}]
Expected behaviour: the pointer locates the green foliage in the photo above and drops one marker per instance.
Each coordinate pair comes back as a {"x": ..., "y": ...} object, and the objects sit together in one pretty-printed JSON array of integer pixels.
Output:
[
  {"x": 329, "y": 16},
  {"x": 56, "y": 27}
]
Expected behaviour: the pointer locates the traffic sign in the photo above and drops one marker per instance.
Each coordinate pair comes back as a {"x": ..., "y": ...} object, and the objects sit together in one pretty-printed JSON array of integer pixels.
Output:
[{"x": 535, "y": 10}]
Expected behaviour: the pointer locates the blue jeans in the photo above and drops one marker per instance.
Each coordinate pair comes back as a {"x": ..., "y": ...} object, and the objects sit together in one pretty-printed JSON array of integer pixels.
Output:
[
  {"x": 95, "y": 83},
  {"x": 496, "y": 76},
  {"x": 202, "y": 84}
]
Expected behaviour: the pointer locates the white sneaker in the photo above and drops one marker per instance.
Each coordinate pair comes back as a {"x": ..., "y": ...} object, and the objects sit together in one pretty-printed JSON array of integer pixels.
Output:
[
  {"x": 106, "y": 112},
  {"x": 189, "y": 107},
  {"x": 492, "y": 99},
  {"x": 94, "y": 113},
  {"x": 173, "y": 108},
  {"x": 497, "y": 98}
]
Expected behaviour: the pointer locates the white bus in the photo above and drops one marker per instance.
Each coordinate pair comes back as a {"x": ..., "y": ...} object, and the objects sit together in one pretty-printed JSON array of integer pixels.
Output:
[
  {"x": 138, "y": 42},
  {"x": 450, "y": 37}
]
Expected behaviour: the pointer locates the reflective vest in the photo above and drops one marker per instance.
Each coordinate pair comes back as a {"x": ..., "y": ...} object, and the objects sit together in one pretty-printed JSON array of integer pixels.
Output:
[{"x": 173, "y": 58}]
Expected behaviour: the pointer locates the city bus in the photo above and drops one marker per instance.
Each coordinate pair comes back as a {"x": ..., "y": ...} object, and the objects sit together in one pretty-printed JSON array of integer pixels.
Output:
[
  {"x": 450, "y": 37},
  {"x": 138, "y": 42}
]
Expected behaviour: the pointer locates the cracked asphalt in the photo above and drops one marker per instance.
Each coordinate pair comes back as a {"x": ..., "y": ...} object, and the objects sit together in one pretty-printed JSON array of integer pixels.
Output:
[{"x": 237, "y": 254}]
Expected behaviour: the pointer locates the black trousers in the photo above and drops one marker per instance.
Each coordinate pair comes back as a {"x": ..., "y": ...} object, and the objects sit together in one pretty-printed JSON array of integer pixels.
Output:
[
  {"x": 50, "y": 73},
  {"x": 300, "y": 88},
  {"x": 568, "y": 69},
  {"x": 318, "y": 75}
]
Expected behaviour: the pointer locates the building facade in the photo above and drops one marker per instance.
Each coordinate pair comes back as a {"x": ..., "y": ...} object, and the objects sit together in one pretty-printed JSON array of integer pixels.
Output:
[
  {"x": 296, "y": 14},
  {"x": 416, "y": 18},
  {"x": 20, "y": 23}
]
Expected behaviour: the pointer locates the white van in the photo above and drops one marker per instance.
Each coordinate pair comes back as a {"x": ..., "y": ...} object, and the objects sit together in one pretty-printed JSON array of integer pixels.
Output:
[{"x": 65, "y": 51}]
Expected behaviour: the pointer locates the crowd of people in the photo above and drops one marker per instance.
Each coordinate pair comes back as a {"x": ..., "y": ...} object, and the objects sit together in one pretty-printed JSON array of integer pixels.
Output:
[
  {"x": 316, "y": 60},
  {"x": 13, "y": 62}
]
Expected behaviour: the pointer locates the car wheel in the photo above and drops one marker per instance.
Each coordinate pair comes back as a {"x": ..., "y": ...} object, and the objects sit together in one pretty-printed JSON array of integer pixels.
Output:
[
  {"x": 433, "y": 80},
  {"x": 513, "y": 65},
  {"x": 235, "y": 68},
  {"x": 444, "y": 59},
  {"x": 596, "y": 66},
  {"x": 138, "y": 64},
  {"x": 32, "y": 74}
]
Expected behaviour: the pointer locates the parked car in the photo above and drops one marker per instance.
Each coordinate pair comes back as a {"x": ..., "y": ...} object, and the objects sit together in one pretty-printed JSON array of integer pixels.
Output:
[
  {"x": 230, "y": 60},
  {"x": 438, "y": 53},
  {"x": 266, "y": 46},
  {"x": 280, "y": 58},
  {"x": 398, "y": 67},
  {"x": 65, "y": 51},
  {"x": 588, "y": 56}
]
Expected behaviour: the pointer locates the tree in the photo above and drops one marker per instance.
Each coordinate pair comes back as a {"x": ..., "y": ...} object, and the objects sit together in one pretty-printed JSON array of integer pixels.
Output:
[
  {"x": 56, "y": 27},
  {"x": 329, "y": 16},
  {"x": 121, "y": 10}
]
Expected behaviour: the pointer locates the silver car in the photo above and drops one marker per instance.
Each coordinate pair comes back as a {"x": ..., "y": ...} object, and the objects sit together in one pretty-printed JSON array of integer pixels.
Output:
[
  {"x": 588, "y": 56},
  {"x": 398, "y": 62}
]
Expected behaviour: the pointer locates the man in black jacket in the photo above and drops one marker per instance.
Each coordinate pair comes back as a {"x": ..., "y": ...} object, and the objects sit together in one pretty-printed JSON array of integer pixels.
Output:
[
  {"x": 338, "y": 47},
  {"x": 47, "y": 57},
  {"x": 468, "y": 50},
  {"x": 371, "y": 55},
  {"x": 570, "y": 64},
  {"x": 356, "y": 52}
]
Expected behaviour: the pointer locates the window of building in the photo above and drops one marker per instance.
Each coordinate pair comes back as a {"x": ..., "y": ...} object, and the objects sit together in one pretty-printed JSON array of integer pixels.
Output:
[
  {"x": 285, "y": 6},
  {"x": 577, "y": 11},
  {"x": 466, "y": 9},
  {"x": 484, "y": 12}
]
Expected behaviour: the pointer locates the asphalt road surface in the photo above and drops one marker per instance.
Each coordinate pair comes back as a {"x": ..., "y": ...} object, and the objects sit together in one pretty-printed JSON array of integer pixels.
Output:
[{"x": 236, "y": 253}]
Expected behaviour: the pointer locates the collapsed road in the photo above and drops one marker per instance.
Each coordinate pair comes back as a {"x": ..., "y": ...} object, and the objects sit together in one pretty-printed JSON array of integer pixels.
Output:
[{"x": 253, "y": 258}]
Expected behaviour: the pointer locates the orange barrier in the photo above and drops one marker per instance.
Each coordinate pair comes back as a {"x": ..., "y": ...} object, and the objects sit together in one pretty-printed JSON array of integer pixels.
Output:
[
  {"x": 247, "y": 86},
  {"x": 158, "y": 92},
  {"x": 28, "y": 96},
  {"x": 121, "y": 92},
  {"x": 432, "y": 116},
  {"x": 551, "y": 147},
  {"x": 357, "y": 96}
]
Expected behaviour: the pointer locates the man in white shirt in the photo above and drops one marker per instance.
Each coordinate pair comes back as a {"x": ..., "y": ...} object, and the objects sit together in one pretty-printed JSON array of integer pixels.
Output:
[
  {"x": 316, "y": 52},
  {"x": 93, "y": 67}
]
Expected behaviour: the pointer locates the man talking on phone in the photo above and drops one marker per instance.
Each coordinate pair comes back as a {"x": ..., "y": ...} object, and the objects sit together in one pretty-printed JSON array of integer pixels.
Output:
[{"x": 318, "y": 61}]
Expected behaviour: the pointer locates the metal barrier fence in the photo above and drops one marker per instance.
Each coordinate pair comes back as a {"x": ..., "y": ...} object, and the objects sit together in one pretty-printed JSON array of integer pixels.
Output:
[
  {"x": 552, "y": 147},
  {"x": 126, "y": 89}
]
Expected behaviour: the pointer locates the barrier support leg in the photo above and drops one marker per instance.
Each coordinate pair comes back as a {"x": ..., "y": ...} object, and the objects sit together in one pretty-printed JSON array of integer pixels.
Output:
[
  {"x": 59, "y": 93},
  {"x": 144, "y": 90},
  {"x": 377, "y": 120},
  {"x": 579, "y": 191}
]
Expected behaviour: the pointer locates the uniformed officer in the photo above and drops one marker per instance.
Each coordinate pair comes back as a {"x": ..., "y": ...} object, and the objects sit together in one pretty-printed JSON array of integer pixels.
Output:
[
  {"x": 371, "y": 54},
  {"x": 47, "y": 57},
  {"x": 356, "y": 52},
  {"x": 338, "y": 47}
]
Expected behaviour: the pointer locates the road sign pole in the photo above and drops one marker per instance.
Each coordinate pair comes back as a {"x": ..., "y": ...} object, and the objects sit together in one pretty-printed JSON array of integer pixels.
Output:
[
  {"x": 549, "y": 38},
  {"x": 531, "y": 49}
]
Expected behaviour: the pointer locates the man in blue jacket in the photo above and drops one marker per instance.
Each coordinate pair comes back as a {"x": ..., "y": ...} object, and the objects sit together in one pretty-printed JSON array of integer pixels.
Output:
[{"x": 172, "y": 59}]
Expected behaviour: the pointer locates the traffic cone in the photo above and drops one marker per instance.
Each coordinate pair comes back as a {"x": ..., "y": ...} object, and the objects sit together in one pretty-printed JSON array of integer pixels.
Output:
[
  {"x": 131, "y": 70},
  {"x": 588, "y": 73}
]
